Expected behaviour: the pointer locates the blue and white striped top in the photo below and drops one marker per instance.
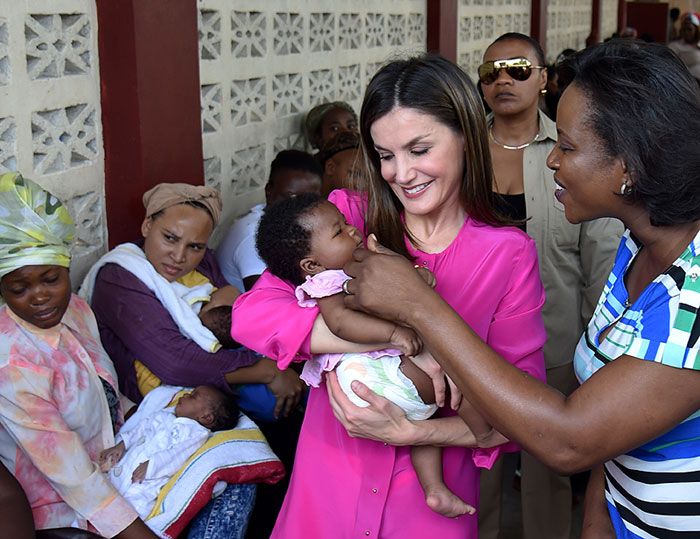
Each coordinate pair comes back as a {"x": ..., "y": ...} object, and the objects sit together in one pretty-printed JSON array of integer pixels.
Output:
[{"x": 652, "y": 491}]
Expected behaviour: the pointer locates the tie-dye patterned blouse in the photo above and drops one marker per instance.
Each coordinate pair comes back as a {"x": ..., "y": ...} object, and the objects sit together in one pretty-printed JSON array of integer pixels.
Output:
[{"x": 55, "y": 420}]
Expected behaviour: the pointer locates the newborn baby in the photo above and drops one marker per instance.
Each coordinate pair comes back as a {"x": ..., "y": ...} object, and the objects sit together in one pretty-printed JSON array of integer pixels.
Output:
[{"x": 153, "y": 444}]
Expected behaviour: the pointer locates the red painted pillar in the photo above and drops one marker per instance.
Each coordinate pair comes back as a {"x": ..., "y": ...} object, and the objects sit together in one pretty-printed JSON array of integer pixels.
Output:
[
  {"x": 442, "y": 28},
  {"x": 538, "y": 22},
  {"x": 594, "y": 36},
  {"x": 149, "y": 73},
  {"x": 621, "y": 15}
]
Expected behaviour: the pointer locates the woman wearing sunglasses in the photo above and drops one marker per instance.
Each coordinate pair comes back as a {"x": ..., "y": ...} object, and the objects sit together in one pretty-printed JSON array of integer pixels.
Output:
[
  {"x": 622, "y": 151},
  {"x": 574, "y": 259}
]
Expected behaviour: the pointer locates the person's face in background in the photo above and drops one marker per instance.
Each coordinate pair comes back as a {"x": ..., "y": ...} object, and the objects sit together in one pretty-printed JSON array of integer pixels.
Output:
[
  {"x": 689, "y": 32},
  {"x": 289, "y": 182},
  {"x": 506, "y": 96},
  {"x": 336, "y": 121},
  {"x": 176, "y": 239},
  {"x": 38, "y": 295},
  {"x": 340, "y": 170}
]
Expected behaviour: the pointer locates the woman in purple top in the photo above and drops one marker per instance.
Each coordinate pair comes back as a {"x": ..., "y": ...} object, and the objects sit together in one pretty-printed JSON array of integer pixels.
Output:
[{"x": 136, "y": 326}]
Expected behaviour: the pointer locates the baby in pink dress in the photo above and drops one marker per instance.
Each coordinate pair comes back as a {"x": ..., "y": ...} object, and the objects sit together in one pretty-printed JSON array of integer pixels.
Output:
[{"x": 307, "y": 241}]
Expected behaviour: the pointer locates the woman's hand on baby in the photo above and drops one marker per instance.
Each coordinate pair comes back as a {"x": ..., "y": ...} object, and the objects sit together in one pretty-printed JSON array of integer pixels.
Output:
[
  {"x": 406, "y": 340},
  {"x": 383, "y": 283},
  {"x": 382, "y": 420},
  {"x": 426, "y": 362},
  {"x": 109, "y": 457},
  {"x": 455, "y": 394},
  {"x": 139, "y": 473},
  {"x": 288, "y": 389}
]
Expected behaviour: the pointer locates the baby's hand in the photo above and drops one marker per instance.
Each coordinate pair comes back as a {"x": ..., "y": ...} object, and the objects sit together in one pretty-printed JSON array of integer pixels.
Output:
[
  {"x": 109, "y": 457},
  {"x": 428, "y": 276},
  {"x": 139, "y": 473},
  {"x": 406, "y": 340}
]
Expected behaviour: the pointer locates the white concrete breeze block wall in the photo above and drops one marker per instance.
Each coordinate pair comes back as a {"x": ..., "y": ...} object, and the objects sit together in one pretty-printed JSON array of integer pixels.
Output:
[
  {"x": 482, "y": 21},
  {"x": 568, "y": 26},
  {"x": 263, "y": 65},
  {"x": 50, "y": 117}
]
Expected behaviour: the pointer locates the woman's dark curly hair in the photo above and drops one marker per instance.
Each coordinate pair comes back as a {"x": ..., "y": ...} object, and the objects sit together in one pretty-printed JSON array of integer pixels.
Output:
[
  {"x": 282, "y": 239},
  {"x": 644, "y": 105}
]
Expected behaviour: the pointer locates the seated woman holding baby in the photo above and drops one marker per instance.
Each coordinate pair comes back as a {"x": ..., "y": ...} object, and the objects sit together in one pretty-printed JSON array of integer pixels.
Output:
[
  {"x": 59, "y": 404},
  {"x": 148, "y": 297}
]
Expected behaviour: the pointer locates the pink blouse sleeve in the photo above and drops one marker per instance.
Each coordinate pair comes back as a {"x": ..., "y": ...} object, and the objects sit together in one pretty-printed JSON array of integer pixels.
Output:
[
  {"x": 268, "y": 319},
  {"x": 517, "y": 331}
]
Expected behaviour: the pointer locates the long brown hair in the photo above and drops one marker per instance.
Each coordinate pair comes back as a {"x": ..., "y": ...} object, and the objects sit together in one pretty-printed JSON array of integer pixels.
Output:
[{"x": 432, "y": 85}]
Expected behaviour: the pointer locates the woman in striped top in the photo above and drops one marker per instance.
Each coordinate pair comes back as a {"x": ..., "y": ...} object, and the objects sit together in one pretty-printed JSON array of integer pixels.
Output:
[{"x": 628, "y": 148}]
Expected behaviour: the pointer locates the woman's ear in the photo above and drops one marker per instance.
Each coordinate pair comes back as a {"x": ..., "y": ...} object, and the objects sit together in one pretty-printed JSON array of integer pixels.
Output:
[
  {"x": 146, "y": 226},
  {"x": 626, "y": 176},
  {"x": 329, "y": 167},
  {"x": 310, "y": 266}
]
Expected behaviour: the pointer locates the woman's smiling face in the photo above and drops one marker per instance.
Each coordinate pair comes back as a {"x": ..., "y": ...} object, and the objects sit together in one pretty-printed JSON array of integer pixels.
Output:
[{"x": 421, "y": 159}]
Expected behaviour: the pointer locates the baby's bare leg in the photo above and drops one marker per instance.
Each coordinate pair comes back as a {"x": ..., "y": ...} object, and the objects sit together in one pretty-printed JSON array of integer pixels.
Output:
[
  {"x": 427, "y": 461},
  {"x": 420, "y": 379}
]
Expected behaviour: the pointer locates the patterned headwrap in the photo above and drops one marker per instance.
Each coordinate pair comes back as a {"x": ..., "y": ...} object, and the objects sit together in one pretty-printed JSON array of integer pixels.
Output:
[
  {"x": 35, "y": 227},
  {"x": 164, "y": 195}
]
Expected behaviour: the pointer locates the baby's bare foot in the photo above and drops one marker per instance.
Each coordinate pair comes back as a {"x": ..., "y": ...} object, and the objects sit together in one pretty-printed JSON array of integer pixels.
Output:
[{"x": 443, "y": 501}]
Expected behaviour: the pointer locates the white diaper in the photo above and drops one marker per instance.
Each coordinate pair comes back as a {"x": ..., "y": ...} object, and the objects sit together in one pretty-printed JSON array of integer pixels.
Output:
[{"x": 384, "y": 377}]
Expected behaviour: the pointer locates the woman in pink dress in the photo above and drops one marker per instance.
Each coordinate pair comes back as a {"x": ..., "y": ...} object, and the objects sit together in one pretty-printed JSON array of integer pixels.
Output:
[{"x": 427, "y": 194}]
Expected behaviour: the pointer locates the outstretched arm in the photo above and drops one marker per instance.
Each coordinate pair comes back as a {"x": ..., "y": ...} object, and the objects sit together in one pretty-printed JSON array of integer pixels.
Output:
[{"x": 603, "y": 418}]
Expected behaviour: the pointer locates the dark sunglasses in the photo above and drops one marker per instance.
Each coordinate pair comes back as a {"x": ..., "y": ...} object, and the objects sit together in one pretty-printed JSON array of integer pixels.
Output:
[{"x": 517, "y": 69}]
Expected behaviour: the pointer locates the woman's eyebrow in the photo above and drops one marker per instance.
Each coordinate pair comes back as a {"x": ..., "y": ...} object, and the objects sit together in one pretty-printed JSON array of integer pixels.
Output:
[
  {"x": 171, "y": 233},
  {"x": 412, "y": 142}
]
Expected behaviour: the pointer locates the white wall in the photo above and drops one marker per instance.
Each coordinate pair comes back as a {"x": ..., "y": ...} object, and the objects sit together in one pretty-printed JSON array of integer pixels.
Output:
[
  {"x": 568, "y": 25},
  {"x": 264, "y": 64},
  {"x": 50, "y": 117},
  {"x": 608, "y": 18},
  {"x": 482, "y": 21}
]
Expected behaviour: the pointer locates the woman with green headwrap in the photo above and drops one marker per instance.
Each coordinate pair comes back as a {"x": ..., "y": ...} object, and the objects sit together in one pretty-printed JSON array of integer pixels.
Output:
[{"x": 58, "y": 403}]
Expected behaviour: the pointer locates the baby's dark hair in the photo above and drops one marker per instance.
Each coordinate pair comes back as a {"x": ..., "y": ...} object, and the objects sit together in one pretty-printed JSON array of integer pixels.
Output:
[
  {"x": 218, "y": 321},
  {"x": 226, "y": 412},
  {"x": 282, "y": 239}
]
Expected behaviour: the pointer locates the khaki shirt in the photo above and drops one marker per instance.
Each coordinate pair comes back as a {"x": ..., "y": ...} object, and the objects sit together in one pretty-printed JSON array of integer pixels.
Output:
[{"x": 575, "y": 260}]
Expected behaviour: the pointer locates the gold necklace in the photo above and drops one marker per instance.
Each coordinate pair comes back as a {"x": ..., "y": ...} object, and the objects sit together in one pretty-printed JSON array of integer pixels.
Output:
[{"x": 507, "y": 146}]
